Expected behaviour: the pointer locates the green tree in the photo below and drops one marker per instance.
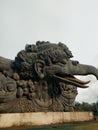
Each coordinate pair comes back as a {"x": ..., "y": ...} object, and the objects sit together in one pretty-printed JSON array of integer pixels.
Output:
[
  {"x": 95, "y": 108},
  {"x": 84, "y": 106}
]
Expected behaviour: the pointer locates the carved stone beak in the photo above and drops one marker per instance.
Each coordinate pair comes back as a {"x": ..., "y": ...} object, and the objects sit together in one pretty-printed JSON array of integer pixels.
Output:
[{"x": 72, "y": 80}]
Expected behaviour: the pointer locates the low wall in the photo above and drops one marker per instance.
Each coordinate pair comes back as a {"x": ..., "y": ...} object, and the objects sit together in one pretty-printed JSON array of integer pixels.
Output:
[{"x": 42, "y": 118}]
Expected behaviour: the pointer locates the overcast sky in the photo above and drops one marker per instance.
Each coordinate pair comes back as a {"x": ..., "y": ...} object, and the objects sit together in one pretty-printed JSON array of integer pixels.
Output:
[{"x": 74, "y": 22}]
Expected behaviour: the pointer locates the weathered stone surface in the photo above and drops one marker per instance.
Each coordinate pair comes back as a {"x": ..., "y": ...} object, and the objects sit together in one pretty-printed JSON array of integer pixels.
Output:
[
  {"x": 41, "y": 79},
  {"x": 42, "y": 118}
]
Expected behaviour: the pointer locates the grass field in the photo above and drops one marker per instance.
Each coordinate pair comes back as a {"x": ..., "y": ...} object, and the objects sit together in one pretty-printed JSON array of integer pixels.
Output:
[{"x": 72, "y": 126}]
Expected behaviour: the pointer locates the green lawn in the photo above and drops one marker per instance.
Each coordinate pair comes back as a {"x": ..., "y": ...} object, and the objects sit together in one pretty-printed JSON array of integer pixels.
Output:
[{"x": 72, "y": 126}]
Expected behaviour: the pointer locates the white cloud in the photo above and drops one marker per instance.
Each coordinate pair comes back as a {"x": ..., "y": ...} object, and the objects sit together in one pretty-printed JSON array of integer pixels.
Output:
[{"x": 89, "y": 94}]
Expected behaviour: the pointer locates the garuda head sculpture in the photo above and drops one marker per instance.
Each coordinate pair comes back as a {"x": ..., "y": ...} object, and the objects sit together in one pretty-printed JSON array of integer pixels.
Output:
[{"x": 41, "y": 78}]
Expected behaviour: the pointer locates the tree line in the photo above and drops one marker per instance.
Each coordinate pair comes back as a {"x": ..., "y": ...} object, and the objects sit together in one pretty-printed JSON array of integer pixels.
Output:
[{"x": 85, "y": 106}]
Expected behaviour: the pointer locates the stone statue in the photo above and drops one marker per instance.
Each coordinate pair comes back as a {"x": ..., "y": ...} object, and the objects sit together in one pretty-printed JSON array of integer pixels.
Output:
[{"x": 40, "y": 79}]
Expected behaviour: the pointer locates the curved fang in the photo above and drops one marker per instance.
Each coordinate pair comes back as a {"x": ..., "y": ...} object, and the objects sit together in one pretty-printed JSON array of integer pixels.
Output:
[
  {"x": 78, "y": 81},
  {"x": 69, "y": 81}
]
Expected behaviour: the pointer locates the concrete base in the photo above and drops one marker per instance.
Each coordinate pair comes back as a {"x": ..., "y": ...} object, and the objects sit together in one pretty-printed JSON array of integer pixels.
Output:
[{"x": 42, "y": 118}]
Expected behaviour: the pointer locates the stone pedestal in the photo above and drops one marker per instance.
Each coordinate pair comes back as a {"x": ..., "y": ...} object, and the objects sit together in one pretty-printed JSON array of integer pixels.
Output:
[{"x": 42, "y": 118}]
